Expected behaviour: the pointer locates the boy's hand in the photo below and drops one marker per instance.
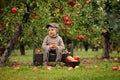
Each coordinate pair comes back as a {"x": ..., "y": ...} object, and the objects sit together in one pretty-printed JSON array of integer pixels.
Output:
[{"x": 53, "y": 46}]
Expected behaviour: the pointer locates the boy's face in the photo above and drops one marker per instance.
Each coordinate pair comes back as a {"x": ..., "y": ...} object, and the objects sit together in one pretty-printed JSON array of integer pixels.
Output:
[{"x": 52, "y": 31}]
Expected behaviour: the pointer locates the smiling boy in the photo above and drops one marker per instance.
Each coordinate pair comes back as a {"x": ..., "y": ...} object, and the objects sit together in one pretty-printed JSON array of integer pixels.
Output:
[{"x": 52, "y": 42}]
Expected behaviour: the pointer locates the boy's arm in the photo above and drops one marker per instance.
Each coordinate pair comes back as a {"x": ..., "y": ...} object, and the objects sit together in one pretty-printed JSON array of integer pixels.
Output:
[
  {"x": 62, "y": 46},
  {"x": 44, "y": 44}
]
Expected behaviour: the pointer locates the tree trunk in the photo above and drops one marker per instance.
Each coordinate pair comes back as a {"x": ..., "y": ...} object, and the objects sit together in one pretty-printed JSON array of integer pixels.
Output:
[
  {"x": 10, "y": 45},
  {"x": 86, "y": 45},
  {"x": 105, "y": 48},
  {"x": 106, "y": 38},
  {"x": 22, "y": 48}
]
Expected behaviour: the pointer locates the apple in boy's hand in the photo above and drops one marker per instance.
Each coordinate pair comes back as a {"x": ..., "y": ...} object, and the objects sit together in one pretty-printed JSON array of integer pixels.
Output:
[{"x": 53, "y": 46}]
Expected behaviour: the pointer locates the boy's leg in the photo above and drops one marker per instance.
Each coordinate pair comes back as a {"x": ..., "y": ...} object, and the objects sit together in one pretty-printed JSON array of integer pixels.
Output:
[
  {"x": 58, "y": 56},
  {"x": 46, "y": 56}
]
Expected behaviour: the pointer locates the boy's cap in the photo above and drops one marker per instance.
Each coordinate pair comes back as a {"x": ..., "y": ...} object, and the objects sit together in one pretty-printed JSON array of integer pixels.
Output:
[{"x": 53, "y": 25}]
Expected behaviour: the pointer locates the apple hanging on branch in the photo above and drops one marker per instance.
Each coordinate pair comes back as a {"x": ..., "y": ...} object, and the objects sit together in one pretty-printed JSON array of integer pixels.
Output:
[
  {"x": 63, "y": 29},
  {"x": 66, "y": 18},
  {"x": 72, "y": 3},
  {"x": 14, "y": 10},
  {"x": 80, "y": 37},
  {"x": 68, "y": 23},
  {"x": 1, "y": 10}
]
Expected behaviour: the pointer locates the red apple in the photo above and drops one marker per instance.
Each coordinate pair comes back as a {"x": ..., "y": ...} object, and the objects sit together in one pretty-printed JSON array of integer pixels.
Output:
[
  {"x": 35, "y": 17},
  {"x": 35, "y": 68},
  {"x": 0, "y": 68},
  {"x": 37, "y": 51},
  {"x": 14, "y": 10},
  {"x": 68, "y": 23},
  {"x": 86, "y": 67},
  {"x": 1, "y": 25},
  {"x": 72, "y": 3},
  {"x": 69, "y": 58},
  {"x": 80, "y": 37},
  {"x": 1, "y": 10},
  {"x": 95, "y": 66},
  {"x": 16, "y": 67},
  {"x": 49, "y": 67},
  {"x": 63, "y": 29},
  {"x": 66, "y": 18},
  {"x": 105, "y": 59},
  {"x": 76, "y": 58},
  {"x": 114, "y": 68}
]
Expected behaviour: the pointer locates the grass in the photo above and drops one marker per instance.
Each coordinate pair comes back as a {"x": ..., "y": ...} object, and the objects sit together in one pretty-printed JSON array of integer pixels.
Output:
[{"x": 26, "y": 72}]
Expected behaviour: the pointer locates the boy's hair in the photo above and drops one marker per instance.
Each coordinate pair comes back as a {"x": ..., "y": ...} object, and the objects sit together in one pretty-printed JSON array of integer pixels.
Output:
[{"x": 53, "y": 25}]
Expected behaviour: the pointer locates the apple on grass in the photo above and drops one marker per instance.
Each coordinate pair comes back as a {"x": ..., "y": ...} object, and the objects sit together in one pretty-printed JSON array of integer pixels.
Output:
[
  {"x": 16, "y": 67},
  {"x": 0, "y": 68},
  {"x": 35, "y": 68},
  {"x": 114, "y": 68}
]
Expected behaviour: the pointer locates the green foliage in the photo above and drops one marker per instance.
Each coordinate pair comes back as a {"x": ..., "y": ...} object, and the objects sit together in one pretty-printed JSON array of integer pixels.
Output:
[{"x": 86, "y": 19}]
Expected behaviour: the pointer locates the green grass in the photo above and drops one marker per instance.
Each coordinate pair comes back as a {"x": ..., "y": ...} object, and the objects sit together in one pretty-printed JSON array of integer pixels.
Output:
[{"x": 103, "y": 72}]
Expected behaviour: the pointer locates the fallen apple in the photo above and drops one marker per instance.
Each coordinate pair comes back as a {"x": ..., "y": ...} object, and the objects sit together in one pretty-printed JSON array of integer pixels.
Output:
[
  {"x": 49, "y": 67},
  {"x": 114, "y": 68},
  {"x": 16, "y": 67},
  {"x": 86, "y": 67},
  {"x": 95, "y": 66},
  {"x": 0, "y": 68},
  {"x": 35, "y": 68}
]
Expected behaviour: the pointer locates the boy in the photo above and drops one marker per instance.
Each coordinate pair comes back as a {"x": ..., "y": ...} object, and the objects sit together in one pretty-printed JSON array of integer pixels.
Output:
[{"x": 52, "y": 42}]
